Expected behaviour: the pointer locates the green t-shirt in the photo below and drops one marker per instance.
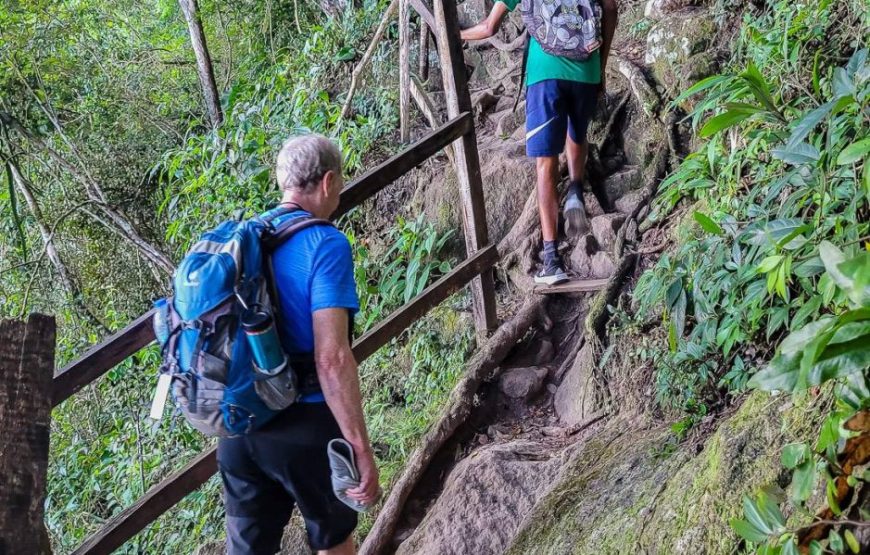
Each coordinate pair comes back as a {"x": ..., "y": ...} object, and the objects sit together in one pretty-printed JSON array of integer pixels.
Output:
[{"x": 542, "y": 66}]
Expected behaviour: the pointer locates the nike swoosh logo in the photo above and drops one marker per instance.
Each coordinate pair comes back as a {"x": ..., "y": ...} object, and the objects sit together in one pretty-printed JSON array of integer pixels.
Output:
[{"x": 537, "y": 129}]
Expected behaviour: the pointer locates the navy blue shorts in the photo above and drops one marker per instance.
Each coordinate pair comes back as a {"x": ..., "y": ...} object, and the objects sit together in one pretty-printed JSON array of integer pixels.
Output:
[
  {"x": 281, "y": 465},
  {"x": 554, "y": 107}
]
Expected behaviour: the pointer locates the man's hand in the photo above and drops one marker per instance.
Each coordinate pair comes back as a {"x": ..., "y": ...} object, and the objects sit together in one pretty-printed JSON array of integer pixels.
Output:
[
  {"x": 488, "y": 27},
  {"x": 369, "y": 488}
]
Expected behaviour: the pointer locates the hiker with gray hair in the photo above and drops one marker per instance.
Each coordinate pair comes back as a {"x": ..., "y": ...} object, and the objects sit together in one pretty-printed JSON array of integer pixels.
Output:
[{"x": 285, "y": 463}]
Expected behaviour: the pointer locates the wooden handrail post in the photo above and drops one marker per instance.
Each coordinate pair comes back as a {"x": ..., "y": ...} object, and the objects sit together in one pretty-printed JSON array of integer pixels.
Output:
[
  {"x": 26, "y": 369},
  {"x": 404, "y": 71},
  {"x": 467, "y": 159},
  {"x": 423, "y": 51}
]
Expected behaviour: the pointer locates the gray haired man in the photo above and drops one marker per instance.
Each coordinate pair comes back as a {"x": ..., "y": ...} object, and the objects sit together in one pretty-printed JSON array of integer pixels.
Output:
[{"x": 285, "y": 463}]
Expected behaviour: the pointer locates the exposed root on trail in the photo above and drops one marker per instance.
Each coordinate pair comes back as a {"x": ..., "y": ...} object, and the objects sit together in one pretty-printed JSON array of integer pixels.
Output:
[{"x": 481, "y": 368}]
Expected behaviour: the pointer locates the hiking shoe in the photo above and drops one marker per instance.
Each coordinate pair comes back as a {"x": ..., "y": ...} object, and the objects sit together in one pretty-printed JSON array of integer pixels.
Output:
[
  {"x": 576, "y": 222},
  {"x": 551, "y": 273}
]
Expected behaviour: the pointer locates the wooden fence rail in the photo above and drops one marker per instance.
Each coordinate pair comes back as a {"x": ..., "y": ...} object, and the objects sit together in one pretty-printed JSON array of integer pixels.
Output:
[{"x": 475, "y": 270}]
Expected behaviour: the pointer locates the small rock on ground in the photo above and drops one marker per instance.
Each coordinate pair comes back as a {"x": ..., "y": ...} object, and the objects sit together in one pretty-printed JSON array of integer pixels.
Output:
[
  {"x": 604, "y": 228},
  {"x": 522, "y": 383}
]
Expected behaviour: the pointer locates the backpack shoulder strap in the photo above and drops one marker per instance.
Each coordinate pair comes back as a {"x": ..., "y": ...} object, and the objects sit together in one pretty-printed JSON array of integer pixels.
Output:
[{"x": 284, "y": 231}]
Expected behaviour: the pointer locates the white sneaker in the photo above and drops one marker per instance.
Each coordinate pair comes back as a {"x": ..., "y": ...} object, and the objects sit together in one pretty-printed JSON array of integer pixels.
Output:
[
  {"x": 576, "y": 222},
  {"x": 552, "y": 274}
]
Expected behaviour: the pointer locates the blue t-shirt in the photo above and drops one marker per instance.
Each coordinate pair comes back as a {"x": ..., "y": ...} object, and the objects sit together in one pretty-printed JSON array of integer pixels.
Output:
[{"x": 313, "y": 270}]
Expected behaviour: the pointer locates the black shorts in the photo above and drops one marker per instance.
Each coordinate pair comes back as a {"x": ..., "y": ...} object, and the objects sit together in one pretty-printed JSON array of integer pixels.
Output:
[{"x": 268, "y": 471}]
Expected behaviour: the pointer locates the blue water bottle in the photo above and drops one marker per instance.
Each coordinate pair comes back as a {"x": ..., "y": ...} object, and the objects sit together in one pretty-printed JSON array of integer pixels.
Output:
[
  {"x": 161, "y": 320},
  {"x": 262, "y": 336}
]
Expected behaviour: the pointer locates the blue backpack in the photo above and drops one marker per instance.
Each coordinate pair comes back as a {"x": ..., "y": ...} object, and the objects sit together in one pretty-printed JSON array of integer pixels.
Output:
[{"x": 213, "y": 378}]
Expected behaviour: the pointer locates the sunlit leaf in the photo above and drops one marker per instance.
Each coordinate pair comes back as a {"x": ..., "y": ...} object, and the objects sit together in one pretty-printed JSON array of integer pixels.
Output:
[{"x": 854, "y": 152}]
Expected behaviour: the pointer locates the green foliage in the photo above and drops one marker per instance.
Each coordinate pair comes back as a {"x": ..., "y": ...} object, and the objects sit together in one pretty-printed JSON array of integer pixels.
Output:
[{"x": 772, "y": 201}]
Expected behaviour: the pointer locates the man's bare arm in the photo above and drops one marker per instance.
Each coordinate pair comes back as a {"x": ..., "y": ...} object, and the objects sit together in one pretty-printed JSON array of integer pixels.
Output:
[
  {"x": 609, "y": 20},
  {"x": 489, "y": 26},
  {"x": 339, "y": 379}
]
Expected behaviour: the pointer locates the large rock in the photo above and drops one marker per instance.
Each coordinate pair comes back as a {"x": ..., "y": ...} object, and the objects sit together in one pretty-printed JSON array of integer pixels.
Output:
[
  {"x": 575, "y": 399},
  {"x": 659, "y": 9},
  {"x": 621, "y": 182},
  {"x": 522, "y": 383},
  {"x": 628, "y": 202},
  {"x": 604, "y": 228},
  {"x": 602, "y": 266},
  {"x": 581, "y": 256},
  {"x": 485, "y": 500},
  {"x": 623, "y": 490},
  {"x": 472, "y": 12},
  {"x": 678, "y": 49}
]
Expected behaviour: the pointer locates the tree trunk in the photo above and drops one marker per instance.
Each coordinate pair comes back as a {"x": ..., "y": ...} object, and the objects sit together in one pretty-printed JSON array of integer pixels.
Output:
[
  {"x": 26, "y": 370},
  {"x": 203, "y": 61}
]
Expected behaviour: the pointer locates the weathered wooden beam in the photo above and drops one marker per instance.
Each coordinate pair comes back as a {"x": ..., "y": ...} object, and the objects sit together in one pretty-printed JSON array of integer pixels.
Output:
[
  {"x": 401, "y": 319},
  {"x": 467, "y": 159},
  {"x": 404, "y": 71},
  {"x": 376, "y": 179},
  {"x": 423, "y": 51},
  {"x": 157, "y": 501},
  {"x": 427, "y": 107},
  {"x": 573, "y": 286},
  {"x": 26, "y": 366},
  {"x": 425, "y": 14},
  {"x": 170, "y": 491},
  {"x": 101, "y": 358}
]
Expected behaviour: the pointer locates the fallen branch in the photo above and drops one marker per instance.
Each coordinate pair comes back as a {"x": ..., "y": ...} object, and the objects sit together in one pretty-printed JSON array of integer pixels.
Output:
[
  {"x": 646, "y": 96},
  {"x": 480, "y": 369},
  {"x": 357, "y": 71}
]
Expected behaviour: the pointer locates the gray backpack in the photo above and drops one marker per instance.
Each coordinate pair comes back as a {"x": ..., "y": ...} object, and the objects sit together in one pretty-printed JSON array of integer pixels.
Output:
[{"x": 567, "y": 28}]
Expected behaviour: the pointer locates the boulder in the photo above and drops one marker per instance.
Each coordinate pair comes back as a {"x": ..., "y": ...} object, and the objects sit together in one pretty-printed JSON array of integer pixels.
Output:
[
  {"x": 482, "y": 101},
  {"x": 659, "y": 9},
  {"x": 678, "y": 49},
  {"x": 581, "y": 256},
  {"x": 522, "y": 383},
  {"x": 601, "y": 266},
  {"x": 472, "y": 12},
  {"x": 575, "y": 399},
  {"x": 628, "y": 202},
  {"x": 623, "y": 181},
  {"x": 604, "y": 228},
  {"x": 508, "y": 121},
  {"x": 485, "y": 499}
]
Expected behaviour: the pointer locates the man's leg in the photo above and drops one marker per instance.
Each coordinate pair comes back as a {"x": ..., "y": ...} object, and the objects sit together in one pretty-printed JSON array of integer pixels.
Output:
[
  {"x": 576, "y": 154},
  {"x": 548, "y": 199}
]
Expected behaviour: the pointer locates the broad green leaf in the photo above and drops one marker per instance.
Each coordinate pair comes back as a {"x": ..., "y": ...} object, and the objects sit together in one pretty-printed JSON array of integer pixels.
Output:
[
  {"x": 759, "y": 87},
  {"x": 796, "y": 155},
  {"x": 707, "y": 223},
  {"x": 843, "y": 84},
  {"x": 831, "y": 494},
  {"x": 840, "y": 360},
  {"x": 798, "y": 340},
  {"x": 755, "y": 516},
  {"x": 790, "y": 547},
  {"x": 747, "y": 531},
  {"x": 770, "y": 263},
  {"x": 770, "y": 512},
  {"x": 794, "y": 454},
  {"x": 721, "y": 122},
  {"x": 803, "y": 481},
  {"x": 852, "y": 330},
  {"x": 815, "y": 548},
  {"x": 701, "y": 85},
  {"x": 854, "y": 152},
  {"x": 809, "y": 308},
  {"x": 857, "y": 270},
  {"x": 835, "y": 542},
  {"x": 743, "y": 107},
  {"x": 809, "y": 268},
  {"x": 806, "y": 125},
  {"x": 852, "y": 541},
  {"x": 780, "y": 374}
]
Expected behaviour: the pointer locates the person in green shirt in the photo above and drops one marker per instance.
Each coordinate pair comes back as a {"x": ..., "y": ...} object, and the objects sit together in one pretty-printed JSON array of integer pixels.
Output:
[{"x": 561, "y": 95}]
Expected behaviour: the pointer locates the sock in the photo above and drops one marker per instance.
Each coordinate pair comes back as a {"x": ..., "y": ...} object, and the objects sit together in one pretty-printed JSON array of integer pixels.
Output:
[
  {"x": 550, "y": 253},
  {"x": 575, "y": 188}
]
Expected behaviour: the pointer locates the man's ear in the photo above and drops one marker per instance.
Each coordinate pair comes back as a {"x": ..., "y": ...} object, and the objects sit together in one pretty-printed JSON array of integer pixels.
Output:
[{"x": 326, "y": 182}]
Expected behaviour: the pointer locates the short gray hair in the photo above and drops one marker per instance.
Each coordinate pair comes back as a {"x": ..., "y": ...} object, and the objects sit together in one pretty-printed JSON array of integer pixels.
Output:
[{"x": 304, "y": 160}]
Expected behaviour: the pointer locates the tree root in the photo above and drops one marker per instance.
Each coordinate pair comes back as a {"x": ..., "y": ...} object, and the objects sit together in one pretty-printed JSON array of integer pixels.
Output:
[
  {"x": 479, "y": 370},
  {"x": 499, "y": 44}
]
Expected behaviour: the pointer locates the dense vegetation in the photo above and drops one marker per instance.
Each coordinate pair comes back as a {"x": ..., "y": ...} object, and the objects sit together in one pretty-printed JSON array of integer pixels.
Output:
[
  {"x": 769, "y": 285},
  {"x": 102, "y": 117}
]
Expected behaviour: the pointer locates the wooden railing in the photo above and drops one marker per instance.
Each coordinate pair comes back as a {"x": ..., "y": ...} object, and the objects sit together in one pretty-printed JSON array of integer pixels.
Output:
[{"x": 475, "y": 270}]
